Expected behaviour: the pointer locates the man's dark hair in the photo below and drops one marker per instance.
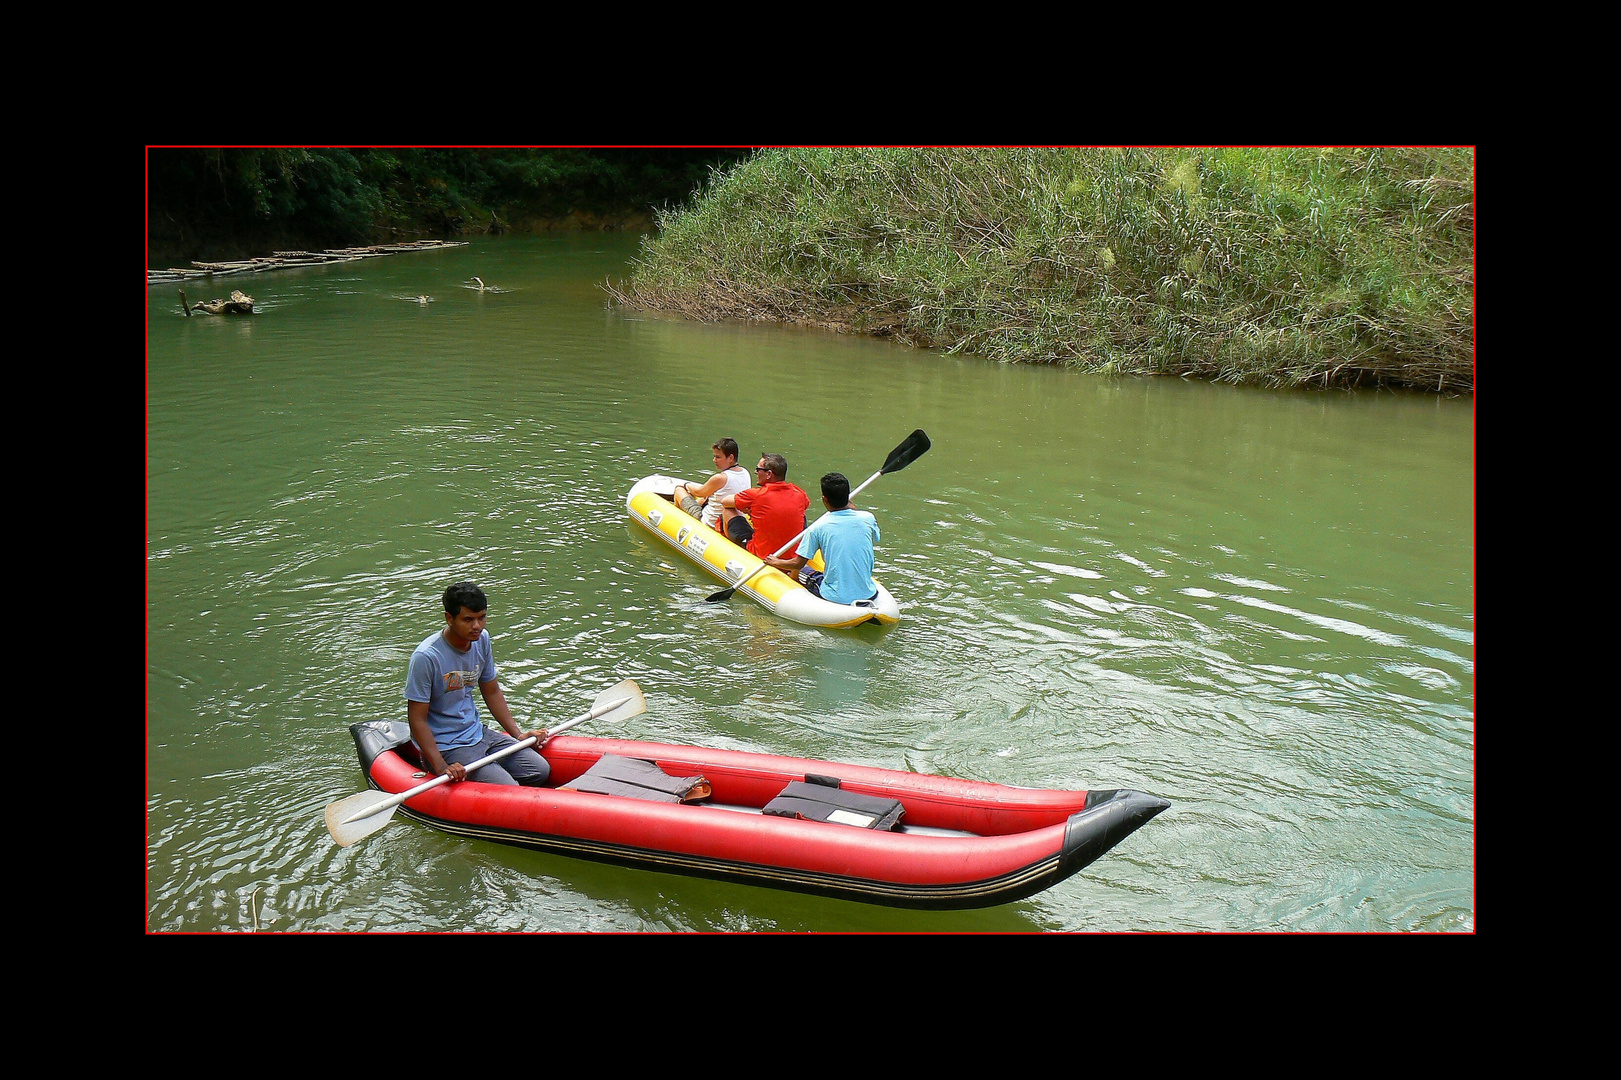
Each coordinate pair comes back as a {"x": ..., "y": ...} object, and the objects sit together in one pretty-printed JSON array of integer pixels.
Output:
[
  {"x": 836, "y": 490},
  {"x": 727, "y": 447},
  {"x": 777, "y": 464},
  {"x": 464, "y": 594}
]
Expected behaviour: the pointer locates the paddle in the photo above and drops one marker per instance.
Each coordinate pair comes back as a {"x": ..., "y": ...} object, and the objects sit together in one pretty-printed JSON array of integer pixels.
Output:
[
  {"x": 362, "y": 814},
  {"x": 913, "y": 447}
]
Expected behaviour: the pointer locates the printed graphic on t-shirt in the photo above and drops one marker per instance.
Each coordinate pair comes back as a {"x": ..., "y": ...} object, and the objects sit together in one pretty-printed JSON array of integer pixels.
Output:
[{"x": 460, "y": 680}]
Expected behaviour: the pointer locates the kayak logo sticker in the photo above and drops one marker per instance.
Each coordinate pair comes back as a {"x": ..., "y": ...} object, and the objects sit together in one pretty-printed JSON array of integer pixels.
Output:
[
  {"x": 697, "y": 544},
  {"x": 681, "y": 537}
]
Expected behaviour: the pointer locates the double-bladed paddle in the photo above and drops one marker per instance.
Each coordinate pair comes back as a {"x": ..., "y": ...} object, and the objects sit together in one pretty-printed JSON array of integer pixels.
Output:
[
  {"x": 362, "y": 814},
  {"x": 912, "y": 448}
]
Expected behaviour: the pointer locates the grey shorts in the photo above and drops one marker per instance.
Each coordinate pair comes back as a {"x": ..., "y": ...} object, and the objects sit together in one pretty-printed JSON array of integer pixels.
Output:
[
  {"x": 526, "y": 767},
  {"x": 812, "y": 580}
]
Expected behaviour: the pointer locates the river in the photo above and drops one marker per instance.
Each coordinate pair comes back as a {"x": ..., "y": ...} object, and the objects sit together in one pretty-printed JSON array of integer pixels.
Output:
[{"x": 1258, "y": 605}]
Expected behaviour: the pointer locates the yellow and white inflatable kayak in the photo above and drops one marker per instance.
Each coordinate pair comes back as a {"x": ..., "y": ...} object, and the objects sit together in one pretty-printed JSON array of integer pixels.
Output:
[{"x": 650, "y": 506}]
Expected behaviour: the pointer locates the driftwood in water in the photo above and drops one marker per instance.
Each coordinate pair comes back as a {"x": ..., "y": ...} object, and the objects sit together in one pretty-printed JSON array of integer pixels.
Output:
[
  {"x": 238, "y": 304},
  {"x": 281, "y": 260}
]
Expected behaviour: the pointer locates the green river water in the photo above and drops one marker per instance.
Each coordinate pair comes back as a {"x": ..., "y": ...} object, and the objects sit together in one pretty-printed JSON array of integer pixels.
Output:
[{"x": 1258, "y": 605}]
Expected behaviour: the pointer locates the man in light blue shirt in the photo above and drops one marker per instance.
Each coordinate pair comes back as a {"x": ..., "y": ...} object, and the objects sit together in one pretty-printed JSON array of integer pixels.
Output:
[
  {"x": 439, "y": 700},
  {"x": 845, "y": 537}
]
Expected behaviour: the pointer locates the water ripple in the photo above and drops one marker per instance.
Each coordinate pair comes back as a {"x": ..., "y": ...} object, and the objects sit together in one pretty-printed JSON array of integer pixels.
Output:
[{"x": 1181, "y": 589}]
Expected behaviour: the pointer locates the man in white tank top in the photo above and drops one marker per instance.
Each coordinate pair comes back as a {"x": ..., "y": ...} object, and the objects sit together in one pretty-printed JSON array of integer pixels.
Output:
[{"x": 705, "y": 500}]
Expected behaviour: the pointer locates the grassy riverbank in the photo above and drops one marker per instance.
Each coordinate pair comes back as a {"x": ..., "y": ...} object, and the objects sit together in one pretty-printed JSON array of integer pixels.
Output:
[{"x": 1271, "y": 267}]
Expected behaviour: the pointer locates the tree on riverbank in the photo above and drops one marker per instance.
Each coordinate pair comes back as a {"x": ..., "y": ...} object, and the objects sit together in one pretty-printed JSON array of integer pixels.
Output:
[
  {"x": 229, "y": 203},
  {"x": 1277, "y": 267}
]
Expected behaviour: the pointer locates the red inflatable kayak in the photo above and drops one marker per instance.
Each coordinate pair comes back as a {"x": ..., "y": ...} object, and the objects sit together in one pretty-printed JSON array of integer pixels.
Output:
[{"x": 877, "y": 835}]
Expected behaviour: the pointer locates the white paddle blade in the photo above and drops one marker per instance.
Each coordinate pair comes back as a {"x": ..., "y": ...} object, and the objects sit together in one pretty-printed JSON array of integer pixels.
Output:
[
  {"x": 629, "y": 696},
  {"x": 346, "y": 832}
]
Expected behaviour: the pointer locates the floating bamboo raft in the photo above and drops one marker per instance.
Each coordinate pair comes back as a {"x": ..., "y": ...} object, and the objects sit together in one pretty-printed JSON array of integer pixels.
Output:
[{"x": 281, "y": 260}]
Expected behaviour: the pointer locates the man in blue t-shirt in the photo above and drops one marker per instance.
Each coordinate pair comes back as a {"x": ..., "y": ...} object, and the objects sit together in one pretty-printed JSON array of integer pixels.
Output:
[
  {"x": 439, "y": 700},
  {"x": 845, "y": 537}
]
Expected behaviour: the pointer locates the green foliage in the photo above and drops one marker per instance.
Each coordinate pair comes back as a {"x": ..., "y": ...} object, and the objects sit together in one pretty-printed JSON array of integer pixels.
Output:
[
  {"x": 1280, "y": 267},
  {"x": 320, "y": 192},
  {"x": 213, "y": 200}
]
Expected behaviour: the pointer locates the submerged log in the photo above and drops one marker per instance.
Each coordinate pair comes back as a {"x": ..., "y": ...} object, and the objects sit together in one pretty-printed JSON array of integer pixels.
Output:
[{"x": 238, "y": 304}]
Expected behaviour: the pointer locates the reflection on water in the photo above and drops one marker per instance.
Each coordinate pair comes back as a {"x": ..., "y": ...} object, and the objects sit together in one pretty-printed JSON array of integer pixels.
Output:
[{"x": 1256, "y": 605}]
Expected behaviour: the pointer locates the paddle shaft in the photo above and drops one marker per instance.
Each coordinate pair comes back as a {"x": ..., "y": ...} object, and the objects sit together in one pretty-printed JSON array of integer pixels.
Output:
[
  {"x": 390, "y": 803},
  {"x": 796, "y": 539}
]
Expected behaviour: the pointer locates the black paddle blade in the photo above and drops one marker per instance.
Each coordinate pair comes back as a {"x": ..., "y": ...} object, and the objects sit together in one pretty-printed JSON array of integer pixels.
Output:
[
  {"x": 915, "y": 446},
  {"x": 723, "y": 595}
]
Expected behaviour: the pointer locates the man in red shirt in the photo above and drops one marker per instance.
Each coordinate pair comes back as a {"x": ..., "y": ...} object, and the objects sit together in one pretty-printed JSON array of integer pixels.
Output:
[{"x": 776, "y": 507}]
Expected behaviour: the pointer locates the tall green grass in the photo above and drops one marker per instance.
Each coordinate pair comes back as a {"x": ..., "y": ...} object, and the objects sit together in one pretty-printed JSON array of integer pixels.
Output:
[{"x": 1277, "y": 267}]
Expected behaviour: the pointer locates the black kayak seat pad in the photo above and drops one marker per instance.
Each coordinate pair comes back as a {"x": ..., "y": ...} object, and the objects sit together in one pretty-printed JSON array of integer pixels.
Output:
[{"x": 819, "y": 798}]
